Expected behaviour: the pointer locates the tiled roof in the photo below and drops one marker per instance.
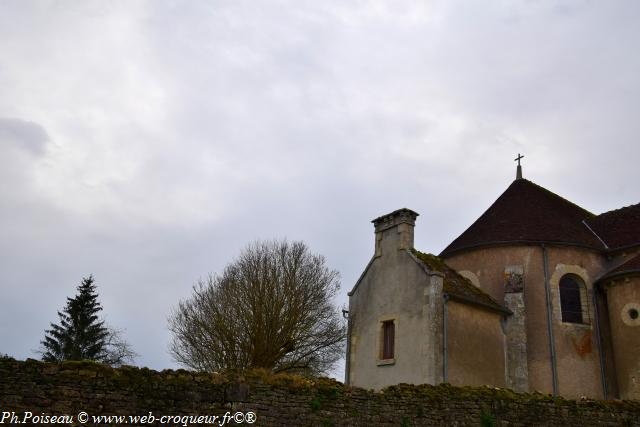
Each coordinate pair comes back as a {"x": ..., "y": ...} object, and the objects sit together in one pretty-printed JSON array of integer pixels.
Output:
[
  {"x": 457, "y": 286},
  {"x": 619, "y": 228},
  {"x": 528, "y": 213},
  {"x": 632, "y": 266}
]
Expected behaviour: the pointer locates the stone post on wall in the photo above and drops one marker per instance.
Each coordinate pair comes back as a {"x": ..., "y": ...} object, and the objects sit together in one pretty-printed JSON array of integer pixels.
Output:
[
  {"x": 433, "y": 312},
  {"x": 515, "y": 329}
]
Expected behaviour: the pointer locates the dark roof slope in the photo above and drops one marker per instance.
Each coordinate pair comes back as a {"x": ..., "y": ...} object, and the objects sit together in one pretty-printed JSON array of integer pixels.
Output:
[
  {"x": 619, "y": 228},
  {"x": 528, "y": 213},
  {"x": 632, "y": 266},
  {"x": 457, "y": 286}
]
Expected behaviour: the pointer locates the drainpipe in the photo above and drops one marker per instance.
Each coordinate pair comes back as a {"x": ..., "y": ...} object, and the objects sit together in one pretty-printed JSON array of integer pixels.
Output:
[
  {"x": 345, "y": 314},
  {"x": 445, "y": 298},
  {"x": 596, "y": 312},
  {"x": 552, "y": 346}
]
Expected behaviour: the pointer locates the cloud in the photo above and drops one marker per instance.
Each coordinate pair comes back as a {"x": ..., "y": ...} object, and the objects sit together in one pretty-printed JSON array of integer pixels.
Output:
[{"x": 26, "y": 135}]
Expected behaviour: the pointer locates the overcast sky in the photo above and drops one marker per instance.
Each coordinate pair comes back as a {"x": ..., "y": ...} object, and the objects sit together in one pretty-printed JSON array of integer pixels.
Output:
[{"x": 146, "y": 143}]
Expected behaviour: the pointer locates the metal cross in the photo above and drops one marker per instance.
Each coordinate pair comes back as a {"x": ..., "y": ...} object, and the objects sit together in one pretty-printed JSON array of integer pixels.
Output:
[{"x": 518, "y": 158}]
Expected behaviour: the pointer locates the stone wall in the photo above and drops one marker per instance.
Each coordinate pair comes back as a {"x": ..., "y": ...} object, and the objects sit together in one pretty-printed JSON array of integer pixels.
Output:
[{"x": 277, "y": 400}]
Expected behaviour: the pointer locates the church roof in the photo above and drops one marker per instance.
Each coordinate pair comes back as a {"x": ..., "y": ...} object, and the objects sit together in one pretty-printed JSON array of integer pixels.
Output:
[
  {"x": 456, "y": 286},
  {"x": 631, "y": 266},
  {"x": 528, "y": 213},
  {"x": 619, "y": 228}
]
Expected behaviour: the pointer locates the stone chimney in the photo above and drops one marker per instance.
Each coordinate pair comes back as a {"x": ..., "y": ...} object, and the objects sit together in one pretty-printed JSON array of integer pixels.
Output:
[{"x": 394, "y": 231}]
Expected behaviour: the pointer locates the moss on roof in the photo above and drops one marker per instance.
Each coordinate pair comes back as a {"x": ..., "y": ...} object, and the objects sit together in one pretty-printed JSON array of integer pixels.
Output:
[
  {"x": 455, "y": 285},
  {"x": 435, "y": 263}
]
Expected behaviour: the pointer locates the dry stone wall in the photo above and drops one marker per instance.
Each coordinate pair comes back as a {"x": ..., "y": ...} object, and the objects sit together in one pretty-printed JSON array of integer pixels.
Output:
[{"x": 45, "y": 389}]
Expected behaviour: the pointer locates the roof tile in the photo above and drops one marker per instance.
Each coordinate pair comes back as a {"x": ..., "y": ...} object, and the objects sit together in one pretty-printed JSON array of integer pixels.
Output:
[
  {"x": 618, "y": 228},
  {"x": 631, "y": 266},
  {"x": 528, "y": 213},
  {"x": 456, "y": 285}
]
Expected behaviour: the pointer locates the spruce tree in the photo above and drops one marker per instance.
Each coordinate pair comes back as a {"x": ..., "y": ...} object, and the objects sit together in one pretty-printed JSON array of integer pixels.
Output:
[{"x": 81, "y": 335}]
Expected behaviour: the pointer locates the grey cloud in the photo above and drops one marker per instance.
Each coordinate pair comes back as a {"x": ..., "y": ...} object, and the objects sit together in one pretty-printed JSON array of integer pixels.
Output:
[{"x": 29, "y": 136}]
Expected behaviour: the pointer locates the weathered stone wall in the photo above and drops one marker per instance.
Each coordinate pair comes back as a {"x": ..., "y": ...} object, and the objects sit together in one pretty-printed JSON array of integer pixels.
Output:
[
  {"x": 475, "y": 344},
  {"x": 277, "y": 400},
  {"x": 395, "y": 288},
  {"x": 623, "y": 296},
  {"x": 577, "y": 358}
]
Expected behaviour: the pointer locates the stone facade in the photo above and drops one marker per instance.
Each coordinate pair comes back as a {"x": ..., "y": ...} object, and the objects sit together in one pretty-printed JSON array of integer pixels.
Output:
[
  {"x": 475, "y": 346},
  {"x": 395, "y": 287},
  {"x": 444, "y": 332},
  {"x": 577, "y": 358},
  {"x": 276, "y": 400}
]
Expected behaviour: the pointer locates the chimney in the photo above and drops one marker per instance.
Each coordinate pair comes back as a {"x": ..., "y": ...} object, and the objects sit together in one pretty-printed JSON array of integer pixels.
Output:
[{"x": 394, "y": 231}]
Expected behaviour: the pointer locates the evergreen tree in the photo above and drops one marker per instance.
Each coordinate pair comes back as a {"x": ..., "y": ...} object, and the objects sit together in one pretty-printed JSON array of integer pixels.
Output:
[{"x": 81, "y": 335}]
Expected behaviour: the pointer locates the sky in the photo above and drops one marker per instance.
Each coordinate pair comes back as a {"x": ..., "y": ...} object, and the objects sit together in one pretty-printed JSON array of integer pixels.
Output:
[{"x": 148, "y": 142}]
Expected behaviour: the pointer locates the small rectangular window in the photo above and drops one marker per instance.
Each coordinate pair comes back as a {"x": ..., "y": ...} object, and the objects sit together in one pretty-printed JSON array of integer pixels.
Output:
[{"x": 388, "y": 338}]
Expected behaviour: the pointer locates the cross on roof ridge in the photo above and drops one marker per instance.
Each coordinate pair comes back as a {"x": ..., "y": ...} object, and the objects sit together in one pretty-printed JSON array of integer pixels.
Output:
[{"x": 519, "y": 169}]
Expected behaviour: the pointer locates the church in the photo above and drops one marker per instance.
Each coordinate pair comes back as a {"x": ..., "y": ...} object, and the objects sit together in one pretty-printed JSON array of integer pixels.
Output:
[{"x": 538, "y": 294}]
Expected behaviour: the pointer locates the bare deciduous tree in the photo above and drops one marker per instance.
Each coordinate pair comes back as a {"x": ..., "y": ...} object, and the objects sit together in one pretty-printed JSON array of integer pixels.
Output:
[
  {"x": 271, "y": 308},
  {"x": 118, "y": 351}
]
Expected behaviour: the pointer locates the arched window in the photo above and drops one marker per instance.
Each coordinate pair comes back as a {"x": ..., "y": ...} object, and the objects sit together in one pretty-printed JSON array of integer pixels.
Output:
[{"x": 570, "y": 300}]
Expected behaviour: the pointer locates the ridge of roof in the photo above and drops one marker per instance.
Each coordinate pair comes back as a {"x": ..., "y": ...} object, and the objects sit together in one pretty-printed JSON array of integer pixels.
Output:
[
  {"x": 457, "y": 286},
  {"x": 563, "y": 199},
  {"x": 527, "y": 212},
  {"x": 619, "y": 210}
]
